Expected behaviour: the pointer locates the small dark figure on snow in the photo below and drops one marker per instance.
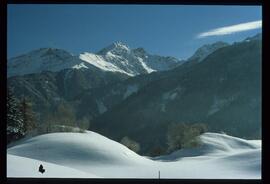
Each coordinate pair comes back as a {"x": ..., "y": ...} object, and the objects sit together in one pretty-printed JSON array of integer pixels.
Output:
[{"x": 41, "y": 169}]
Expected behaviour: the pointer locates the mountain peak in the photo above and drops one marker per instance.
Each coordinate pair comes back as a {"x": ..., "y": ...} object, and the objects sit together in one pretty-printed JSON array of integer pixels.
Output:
[
  {"x": 120, "y": 44},
  {"x": 207, "y": 49},
  {"x": 116, "y": 48},
  {"x": 43, "y": 59},
  {"x": 43, "y": 52},
  {"x": 140, "y": 52}
]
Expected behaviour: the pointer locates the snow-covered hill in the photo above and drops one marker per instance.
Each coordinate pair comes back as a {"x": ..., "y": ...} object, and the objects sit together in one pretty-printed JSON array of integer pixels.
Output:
[
  {"x": 115, "y": 58},
  {"x": 220, "y": 156}
]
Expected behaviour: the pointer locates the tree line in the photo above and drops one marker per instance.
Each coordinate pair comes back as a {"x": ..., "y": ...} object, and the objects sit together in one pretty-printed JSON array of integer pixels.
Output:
[
  {"x": 20, "y": 117},
  {"x": 179, "y": 136},
  {"x": 22, "y": 120}
]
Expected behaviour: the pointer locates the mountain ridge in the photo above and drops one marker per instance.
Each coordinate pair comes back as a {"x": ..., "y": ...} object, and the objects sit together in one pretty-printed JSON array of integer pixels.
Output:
[{"x": 116, "y": 57}]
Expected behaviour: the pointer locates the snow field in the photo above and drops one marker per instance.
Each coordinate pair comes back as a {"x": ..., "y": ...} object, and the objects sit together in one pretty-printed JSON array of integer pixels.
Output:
[{"x": 93, "y": 155}]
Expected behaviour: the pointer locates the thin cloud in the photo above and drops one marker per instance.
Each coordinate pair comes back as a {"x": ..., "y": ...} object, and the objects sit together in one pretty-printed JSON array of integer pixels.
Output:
[{"x": 232, "y": 29}]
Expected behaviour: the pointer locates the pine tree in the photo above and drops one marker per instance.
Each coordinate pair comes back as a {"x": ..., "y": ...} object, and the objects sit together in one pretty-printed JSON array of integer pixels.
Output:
[
  {"x": 28, "y": 116},
  {"x": 14, "y": 118}
]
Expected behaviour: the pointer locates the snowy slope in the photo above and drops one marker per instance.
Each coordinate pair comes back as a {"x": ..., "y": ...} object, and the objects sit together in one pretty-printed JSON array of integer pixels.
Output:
[
  {"x": 119, "y": 57},
  {"x": 220, "y": 156},
  {"x": 100, "y": 62}
]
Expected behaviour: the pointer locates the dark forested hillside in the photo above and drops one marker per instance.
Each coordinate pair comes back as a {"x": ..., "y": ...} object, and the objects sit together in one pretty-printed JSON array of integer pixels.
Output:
[{"x": 223, "y": 91}]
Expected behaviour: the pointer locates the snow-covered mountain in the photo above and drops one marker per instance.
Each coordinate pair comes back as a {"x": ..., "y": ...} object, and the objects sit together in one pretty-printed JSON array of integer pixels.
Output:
[
  {"x": 115, "y": 58},
  {"x": 119, "y": 57},
  {"x": 43, "y": 59},
  {"x": 82, "y": 155},
  {"x": 202, "y": 52}
]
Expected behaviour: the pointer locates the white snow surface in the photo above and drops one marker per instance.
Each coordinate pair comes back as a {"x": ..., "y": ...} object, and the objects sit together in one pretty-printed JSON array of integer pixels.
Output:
[
  {"x": 31, "y": 168},
  {"x": 148, "y": 69},
  {"x": 100, "y": 62},
  {"x": 93, "y": 155}
]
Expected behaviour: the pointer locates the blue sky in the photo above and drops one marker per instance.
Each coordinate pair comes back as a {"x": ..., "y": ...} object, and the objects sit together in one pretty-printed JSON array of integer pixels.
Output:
[{"x": 169, "y": 30}]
